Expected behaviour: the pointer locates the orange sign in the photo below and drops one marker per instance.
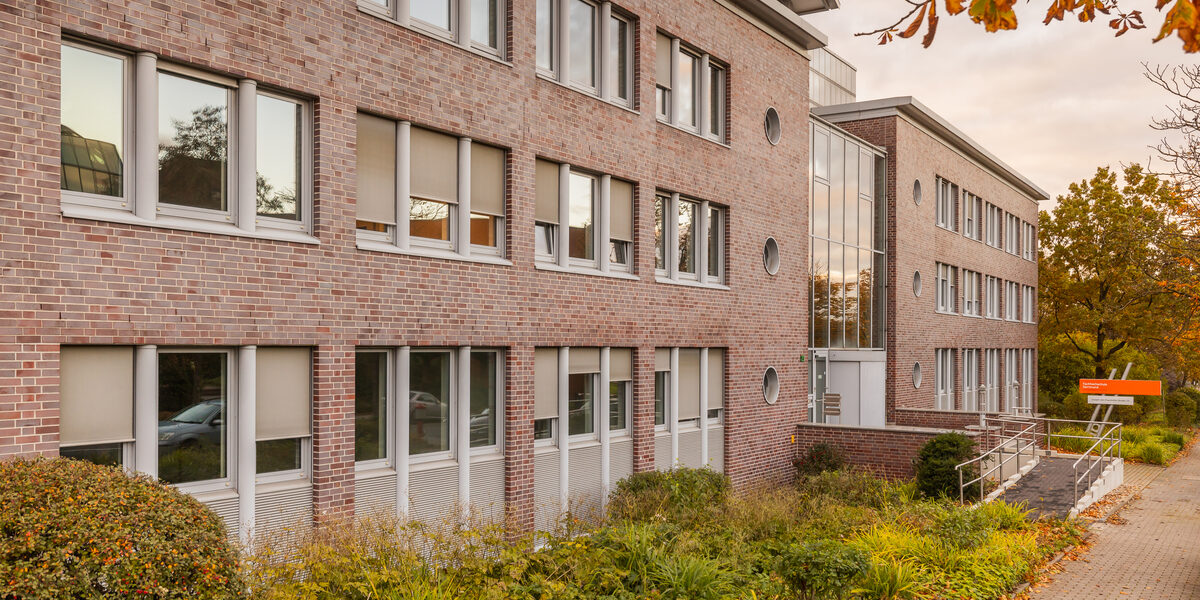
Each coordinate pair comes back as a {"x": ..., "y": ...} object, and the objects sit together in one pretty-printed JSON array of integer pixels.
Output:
[{"x": 1129, "y": 387}]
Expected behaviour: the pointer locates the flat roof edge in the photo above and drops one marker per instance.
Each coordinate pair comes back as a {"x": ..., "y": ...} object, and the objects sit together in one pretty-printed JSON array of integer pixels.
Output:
[
  {"x": 913, "y": 109},
  {"x": 785, "y": 21}
]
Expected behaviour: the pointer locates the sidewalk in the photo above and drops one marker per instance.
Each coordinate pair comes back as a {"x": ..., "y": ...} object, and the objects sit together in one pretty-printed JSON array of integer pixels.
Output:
[{"x": 1153, "y": 555}]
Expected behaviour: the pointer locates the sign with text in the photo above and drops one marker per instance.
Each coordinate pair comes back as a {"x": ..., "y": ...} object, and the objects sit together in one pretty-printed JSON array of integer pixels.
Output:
[
  {"x": 1111, "y": 400},
  {"x": 1129, "y": 387}
]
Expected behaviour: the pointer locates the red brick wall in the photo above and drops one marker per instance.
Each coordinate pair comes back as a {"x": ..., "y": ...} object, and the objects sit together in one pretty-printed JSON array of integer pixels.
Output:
[
  {"x": 887, "y": 452},
  {"x": 76, "y": 281}
]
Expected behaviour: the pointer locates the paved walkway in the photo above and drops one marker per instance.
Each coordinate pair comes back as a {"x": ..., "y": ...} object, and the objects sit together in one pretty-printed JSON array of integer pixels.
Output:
[
  {"x": 1153, "y": 555},
  {"x": 1047, "y": 490}
]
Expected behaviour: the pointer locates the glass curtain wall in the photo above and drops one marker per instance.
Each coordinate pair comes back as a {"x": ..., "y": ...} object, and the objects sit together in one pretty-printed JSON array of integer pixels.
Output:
[{"x": 847, "y": 269}]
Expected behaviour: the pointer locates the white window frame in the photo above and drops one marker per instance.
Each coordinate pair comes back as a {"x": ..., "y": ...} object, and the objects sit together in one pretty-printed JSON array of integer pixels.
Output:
[
  {"x": 994, "y": 226},
  {"x": 972, "y": 216},
  {"x": 459, "y": 33},
  {"x": 1012, "y": 234},
  {"x": 991, "y": 386},
  {"x": 597, "y": 199},
  {"x": 944, "y": 378},
  {"x": 1012, "y": 302},
  {"x": 1012, "y": 381},
  {"x": 716, "y": 114},
  {"x": 452, "y": 407},
  {"x": 560, "y": 51},
  {"x": 991, "y": 295},
  {"x": 625, "y": 431},
  {"x": 1026, "y": 380},
  {"x": 1028, "y": 302},
  {"x": 389, "y": 415},
  {"x": 559, "y": 259},
  {"x": 598, "y": 420},
  {"x": 551, "y": 441},
  {"x": 945, "y": 288},
  {"x": 970, "y": 289},
  {"x": 672, "y": 274},
  {"x": 231, "y": 423},
  {"x": 718, "y": 225},
  {"x": 498, "y": 446},
  {"x": 946, "y": 204},
  {"x": 141, "y": 204},
  {"x": 667, "y": 418},
  {"x": 1029, "y": 242},
  {"x": 970, "y": 379},
  {"x": 701, "y": 96}
]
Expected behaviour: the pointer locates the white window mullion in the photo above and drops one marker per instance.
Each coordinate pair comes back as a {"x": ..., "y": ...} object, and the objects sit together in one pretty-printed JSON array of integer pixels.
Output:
[
  {"x": 246, "y": 438},
  {"x": 463, "y": 35},
  {"x": 704, "y": 407},
  {"x": 403, "y": 181},
  {"x": 703, "y": 108},
  {"x": 603, "y": 410},
  {"x": 145, "y": 410},
  {"x": 403, "y": 8},
  {"x": 603, "y": 224},
  {"x": 563, "y": 437},
  {"x": 461, "y": 424},
  {"x": 246, "y": 212},
  {"x": 562, "y": 240},
  {"x": 401, "y": 369},
  {"x": 145, "y": 128},
  {"x": 674, "y": 116},
  {"x": 462, "y": 237},
  {"x": 673, "y": 412}
]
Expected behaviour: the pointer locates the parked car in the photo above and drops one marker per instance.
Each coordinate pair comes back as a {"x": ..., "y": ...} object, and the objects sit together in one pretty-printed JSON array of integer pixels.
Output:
[{"x": 196, "y": 425}]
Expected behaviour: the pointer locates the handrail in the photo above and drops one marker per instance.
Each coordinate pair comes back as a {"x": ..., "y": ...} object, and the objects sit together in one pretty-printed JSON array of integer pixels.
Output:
[
  {"x": 1003, "y": 461},
  {"x": 1102, "y": 460}
]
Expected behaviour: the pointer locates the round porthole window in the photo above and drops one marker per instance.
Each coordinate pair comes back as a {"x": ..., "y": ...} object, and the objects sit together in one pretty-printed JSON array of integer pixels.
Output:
[
  {"x": 771, "y": 256},
  {"x": 917, "y": 375},
  {"x": 770, "y": 385},
  {"x": 917, "y": 283},
  {"x": 917, "y": 191},
  {"x": 774, "y": 129}
]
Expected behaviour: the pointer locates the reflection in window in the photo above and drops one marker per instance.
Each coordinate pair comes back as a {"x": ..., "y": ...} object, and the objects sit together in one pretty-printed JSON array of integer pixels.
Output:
[
  {"x": 545, "y": 34},
  {"x": 544, "y": 242},
  {"x": 582, "y": 214},
  {"x": 108, "y": 455},
  {"x": 193, "y": 142},
  {"x": 687, "y": 236},
  {"x": 660, "y": 232},
  {"x": 618, "y": 252},
  {"x": 820, "y": 293},
  {"x": 583, "y": 43},
  {"x": 618, "y": 75},
  {"x": 434, "y": 12},
  {"x": 483, "y": 399},
  {"x": 581, "y": 417},
  {"x": 661, "y": 381},
  {"x": 278, "y": 455},
  {"x": 483, "y": 229},
  {"x": 370, "y": 405},
  {"x": 93, "y": 122},
  {"x": 485, "y": 19},
  {"x": 429, "y": 219},
  {"x": 716, "y": 233},
  {"x": 687, "y": 89},
  {"x": 192, "y": 429},
  {"x": 543, "y": 429},
  {"x": 278, "y": 158},
  {"x": 429, "y": 403},
  {"x": 618, "y": 396}
]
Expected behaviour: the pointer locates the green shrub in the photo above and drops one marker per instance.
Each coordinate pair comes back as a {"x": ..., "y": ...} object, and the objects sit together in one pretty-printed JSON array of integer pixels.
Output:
[
  {"x": 1134, "y": 435},
  {"x": 680, "y": 494},
  {"x": 820, "y": 458},
  {"x": 1004, "y": 516},
  {"x": 72, "y": 529},
  {"x": 1175, "y": 437},
  {"x": 1153, "y": 454},
  {"x": 851, "y": 487},
  {"x": 958, "y": 528},
  {"x": 821, "y": 569},
  {"x": 890, "y": 580},
  {"x": 936, "y": 475},
  {"x": 1180, "y": 409},
  {"x": 690, "y": 578}
]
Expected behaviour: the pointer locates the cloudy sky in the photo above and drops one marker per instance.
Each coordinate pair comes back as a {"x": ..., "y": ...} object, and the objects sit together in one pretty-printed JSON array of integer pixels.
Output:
[{"x": 1053, "y": 101}]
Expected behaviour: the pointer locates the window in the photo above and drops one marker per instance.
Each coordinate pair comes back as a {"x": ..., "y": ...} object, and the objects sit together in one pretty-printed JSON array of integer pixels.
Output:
[
  {"x": 1027, "y": 367},
  {"x": 283, "y": 412},
  {"x": 597, "y": 57},
  {"x": 970, "y": 379},
  {"x": 474, "y": 24},
  {"x": 947, "y": 205},
  {"x": 429, "y": 402},
  {"x": 945, "y": 288},
  {"x": 96, "y": 403},
  {"x": 944, "y": 378},
  {"x": 581, "y": 401},
  {"x": 690, "y": 88},
  {"x": 197, "y": 120},
  {"x": 619, "y": 389},
  {"x": 193, "y": 410},
  {"x": 485, "y": 394},
  {"x": 442, "y": 218},
  {"x": 1028, "y": 303},
  {"x": 994, "y": 225},
  {"x": 371, "y": 438},
  {"x": 688, "y": 234},
  {"x": 1028, "y": 241},
  {"x": 1012, "y": 304},
  {"x": 1012, "y": 234},
  {"x": 991, "y": 297},
  {"x": 971, "y": 284},
  {"x": 1012, "y": 381},
  {"x": 991, "y": 380},
  {"x": 662, "y": 383},
  {"x": 589, "y": 220},
  {"x": 972, "y": 216}
]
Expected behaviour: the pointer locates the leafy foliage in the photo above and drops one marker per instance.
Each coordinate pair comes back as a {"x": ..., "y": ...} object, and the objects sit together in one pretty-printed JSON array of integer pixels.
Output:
[
  {"x": 936, "y": 462},
  {"x": 72, "y": 529},
  {"x": 821, "y": 569},
  {"x": 680, "y": 494},
  {"x": 1180, "y": 409},
  {"x": 820, "y": 458}
]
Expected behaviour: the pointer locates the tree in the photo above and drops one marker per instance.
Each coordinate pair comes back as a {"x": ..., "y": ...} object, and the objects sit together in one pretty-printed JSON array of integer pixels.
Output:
[
  {"x": 1182, "y": 19},
  {"x": 1103, "y": 270}
]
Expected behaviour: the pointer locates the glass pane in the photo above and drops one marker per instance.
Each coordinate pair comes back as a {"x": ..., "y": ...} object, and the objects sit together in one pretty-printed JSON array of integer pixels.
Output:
[
  {"x": 821, "y": 154},
  {"x": 543, "y": 429},
  {"x": 837, "y": 296},
  {"x": 820, "y": 217},
  {"x": 581, "y": 242},
  {"x": 434, "y": 12},
  {"x": 716, "y": 101},
  {"x": 618, "y": 76},
  {"x": 878, "y": 303},
  {"x": 484, "y": 229},
  {"x": 660, "y": 233},
  {"x": 429, "y": 402},
  {"x": 278, "y": 455},
  {"x": 429, "y": 219},
  {"x": 108, "y": 455},
  {"x": 820, "y": 293},
  {"x": 716, "y": 232},
  {"x": 93, "y": 122},
  {"x": 277, "y": 183},
  {"x": 687, "y": 89},
  {"x": 851, "y": 292},
  {"x": 583, "y": 43},
  {"x": 618, "y": 252},
  {"x": 837, "y": 190},
  {"x": 618, "y": 395},
  {"x": 545, "y": 34},
  {"x": 545, "y": 238},
  {"x": 370, "y": 405},
  {"x": 192, "y": 400},
  {"x": 865, "y": 288},
  {"x": 483, "y": 399},
  {"x": 581, "y": 403},
  {"x": 865, "y": 220},
  {"x": 484, "y": 20},
  {"x": 193, "y": 142},
  {"x": 853, "y": 224},
  {"x": 661, "y": 380},
  {"x": 662, "y": 101},
  {"x": 687, "y": 236}
]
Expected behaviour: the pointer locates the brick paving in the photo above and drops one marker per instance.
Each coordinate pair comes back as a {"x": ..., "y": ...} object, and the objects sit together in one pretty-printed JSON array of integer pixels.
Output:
[{"x": 1153, "y": 555}]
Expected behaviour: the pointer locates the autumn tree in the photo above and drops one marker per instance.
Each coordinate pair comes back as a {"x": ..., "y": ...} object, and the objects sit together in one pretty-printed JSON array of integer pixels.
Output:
[
  {"x": 1103, "y": 268},
  {"x": 1182, "y": 17}
]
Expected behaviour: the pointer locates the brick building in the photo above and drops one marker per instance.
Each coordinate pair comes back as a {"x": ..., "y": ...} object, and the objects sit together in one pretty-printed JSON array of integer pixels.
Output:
[{"x": 314, "y": 260}]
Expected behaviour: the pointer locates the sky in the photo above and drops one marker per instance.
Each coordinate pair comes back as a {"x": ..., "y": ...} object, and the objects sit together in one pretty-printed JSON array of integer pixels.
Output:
[{"x": 1052, "y": 101}]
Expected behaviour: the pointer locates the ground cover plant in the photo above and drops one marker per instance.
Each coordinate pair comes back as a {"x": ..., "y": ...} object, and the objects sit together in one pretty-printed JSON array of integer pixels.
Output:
[
  {"x": 686, "y": 535},
  {"x": 1157, "y": 445}
]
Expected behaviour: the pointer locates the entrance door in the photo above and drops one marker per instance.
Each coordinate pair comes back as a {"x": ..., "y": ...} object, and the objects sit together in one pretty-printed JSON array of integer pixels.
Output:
[
  {"x": 819, "y": 370},
  {"x": 844, "y": 380}
]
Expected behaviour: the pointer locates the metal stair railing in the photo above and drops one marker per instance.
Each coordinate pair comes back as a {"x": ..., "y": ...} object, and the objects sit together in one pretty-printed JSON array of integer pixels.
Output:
[
  {"x": 1108, "y": 440},
  {"x": 1024, "y": 438}
]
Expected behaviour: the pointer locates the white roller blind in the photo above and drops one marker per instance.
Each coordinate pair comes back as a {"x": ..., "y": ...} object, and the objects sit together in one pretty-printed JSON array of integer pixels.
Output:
[
  {"x": 620, "y": 364},
  {"x": 487, "y": 180},
  {"x": 95, "y": 394},
  {"x": 545, "y": 383},
  {"x": 716, "y": 378},
  {"x": 689, "y": 383},
  {"x": 662, "y": 359},
  {"x": 620, "y": 199},
  {"x": 434, "y": 166},
  {"x": 283, "y": 393},
  {"x": 662, "y": 49},
  {"x": 585, "y": 360},
  {"x": 376, "y": 166},
  {"x": 547, "y": 192}
]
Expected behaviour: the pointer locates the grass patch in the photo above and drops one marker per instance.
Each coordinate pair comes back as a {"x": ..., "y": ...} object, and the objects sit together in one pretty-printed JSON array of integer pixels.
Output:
[{"x": 684, "y": 535}]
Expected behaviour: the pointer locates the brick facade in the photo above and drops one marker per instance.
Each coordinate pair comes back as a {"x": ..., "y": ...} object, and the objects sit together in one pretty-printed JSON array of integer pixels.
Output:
[
  {"x": 78, "y": 281},
  {"x": 885, "y": 451}
]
